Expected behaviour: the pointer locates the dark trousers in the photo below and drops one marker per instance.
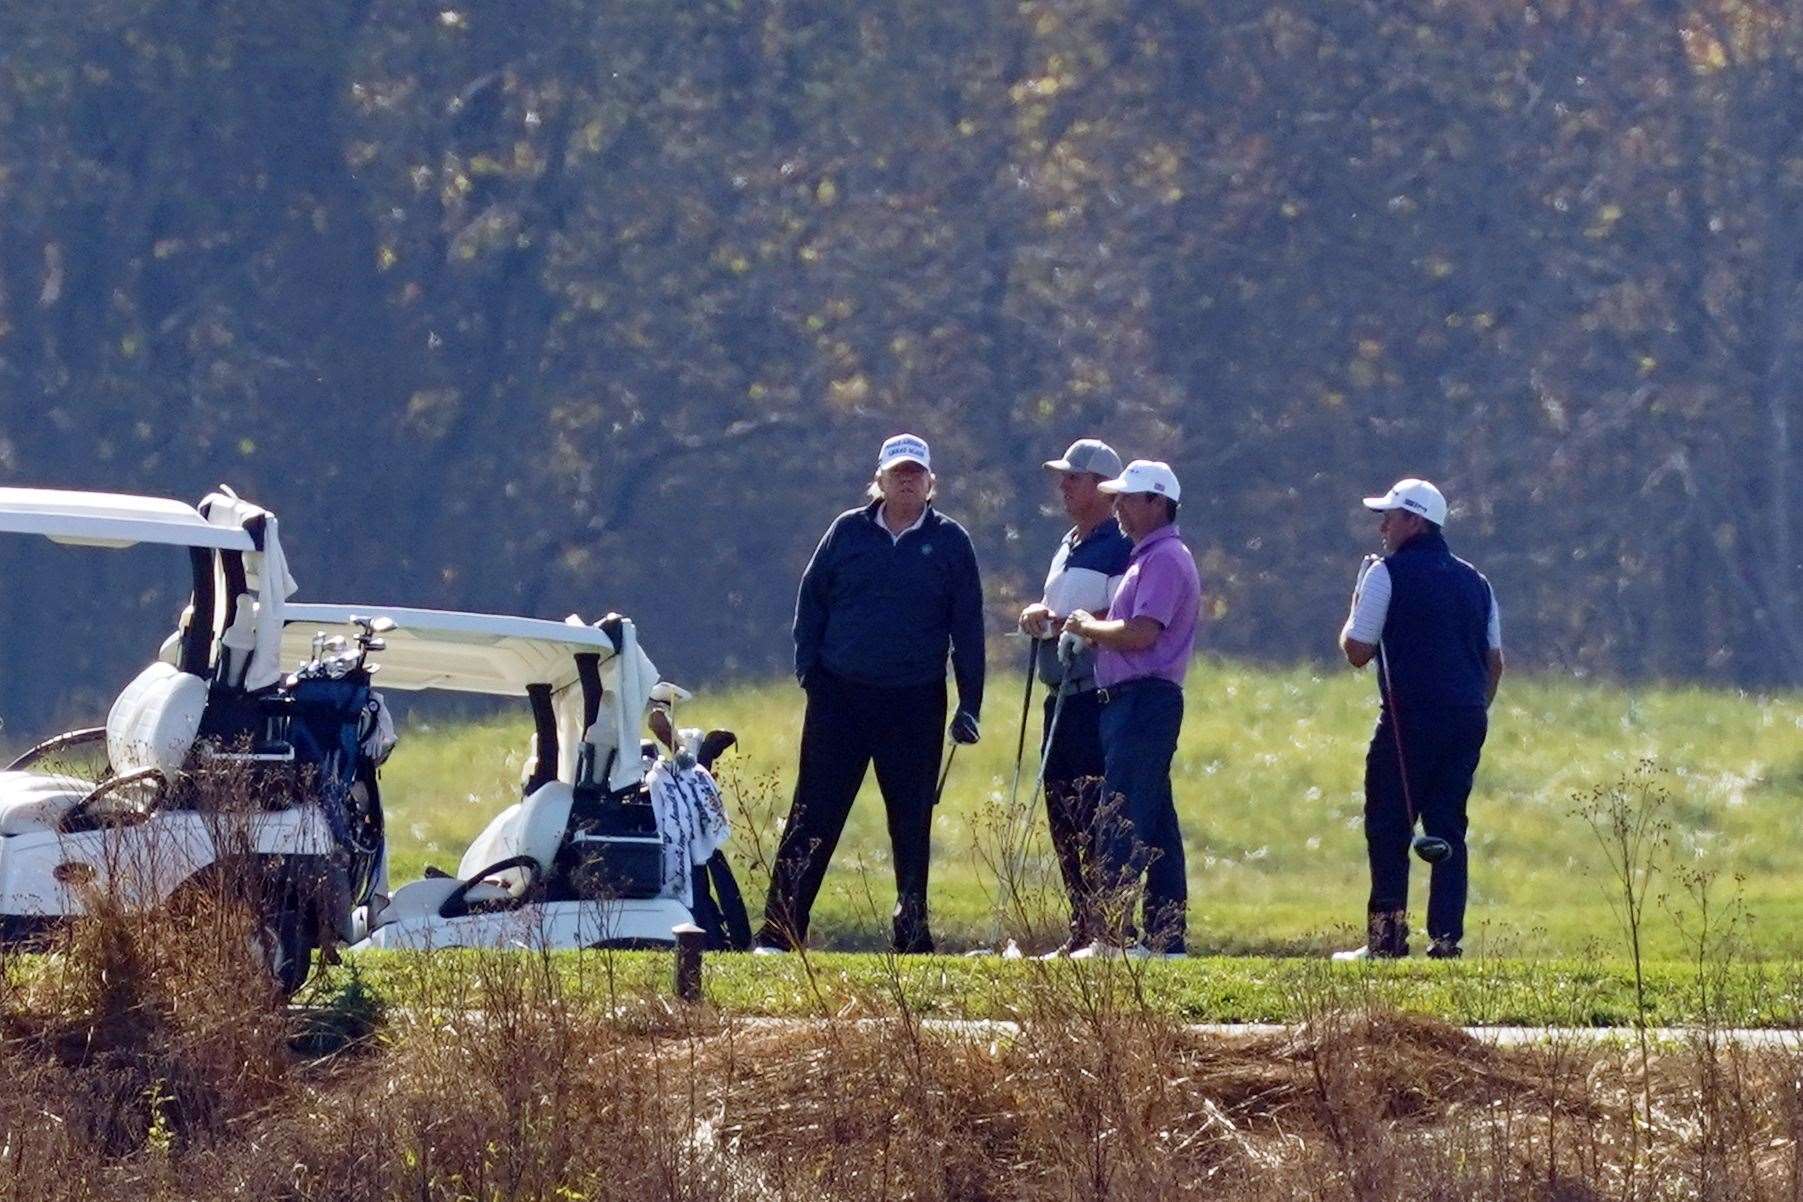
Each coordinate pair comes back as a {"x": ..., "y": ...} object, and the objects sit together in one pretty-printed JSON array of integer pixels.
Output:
[
  {"x": 848, "y": 725},
  {"x": 1138, "y": 823},
  {"x": 1074, "y": 769},
  {"x": 1440, "y": 748}
]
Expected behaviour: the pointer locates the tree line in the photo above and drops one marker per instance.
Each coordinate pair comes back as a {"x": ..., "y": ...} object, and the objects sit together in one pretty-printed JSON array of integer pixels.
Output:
[{"x": 552, "y": 305}]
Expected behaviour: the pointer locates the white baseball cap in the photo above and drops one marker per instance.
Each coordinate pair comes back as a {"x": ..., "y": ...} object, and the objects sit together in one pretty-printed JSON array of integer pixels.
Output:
[
  {"x": 1088, "y": 455},
  {"x": 904, "y": 448},
  {"x": 1413, "y": 496},
  {"x": 1147, "y": 476}
]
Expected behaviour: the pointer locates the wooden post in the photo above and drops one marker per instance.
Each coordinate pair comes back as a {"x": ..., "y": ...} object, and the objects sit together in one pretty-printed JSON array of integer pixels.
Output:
[{"x": 689, "y": 941}]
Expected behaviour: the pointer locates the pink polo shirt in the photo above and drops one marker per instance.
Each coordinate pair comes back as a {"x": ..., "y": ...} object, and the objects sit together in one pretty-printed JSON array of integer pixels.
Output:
[{"x": 1161, "y": 584}]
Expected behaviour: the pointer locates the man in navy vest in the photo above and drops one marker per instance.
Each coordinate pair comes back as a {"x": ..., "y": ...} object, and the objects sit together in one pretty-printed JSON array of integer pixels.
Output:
[{"x": 1430, "y": 620}]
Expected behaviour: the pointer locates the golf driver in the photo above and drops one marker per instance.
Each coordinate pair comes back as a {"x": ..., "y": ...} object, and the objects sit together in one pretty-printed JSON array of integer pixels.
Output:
[{"x": 1431, "y": 848}]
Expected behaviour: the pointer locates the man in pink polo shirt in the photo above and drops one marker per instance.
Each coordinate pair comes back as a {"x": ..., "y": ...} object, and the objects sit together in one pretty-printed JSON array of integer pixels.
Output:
[{"x": 1144, "y": 646}]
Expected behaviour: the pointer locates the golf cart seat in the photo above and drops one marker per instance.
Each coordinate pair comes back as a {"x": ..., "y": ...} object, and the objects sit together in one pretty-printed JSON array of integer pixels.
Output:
[
  {"x": 151, "y": 726},
  {"x": 517, "y": 848},
  {"x": 154, "y": 722}
]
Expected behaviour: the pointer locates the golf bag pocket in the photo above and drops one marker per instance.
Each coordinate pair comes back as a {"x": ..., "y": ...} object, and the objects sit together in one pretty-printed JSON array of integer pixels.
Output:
[
  {"x": 612, "y": 867},
  {"x": 614, "y": 850}
]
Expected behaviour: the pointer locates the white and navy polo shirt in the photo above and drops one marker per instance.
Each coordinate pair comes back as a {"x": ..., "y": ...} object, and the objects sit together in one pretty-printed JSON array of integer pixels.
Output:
[{"x": 1085, "y": 574}]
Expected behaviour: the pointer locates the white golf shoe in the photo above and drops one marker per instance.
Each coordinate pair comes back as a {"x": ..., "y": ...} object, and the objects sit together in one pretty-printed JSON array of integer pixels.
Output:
[{"x": 1101, "y": 949}]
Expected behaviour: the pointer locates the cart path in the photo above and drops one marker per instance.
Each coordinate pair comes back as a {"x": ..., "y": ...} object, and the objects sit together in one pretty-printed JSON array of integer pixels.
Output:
[
  {"x": 1786, "y": 1038},
  {"x": 1772, "y": 1038}
]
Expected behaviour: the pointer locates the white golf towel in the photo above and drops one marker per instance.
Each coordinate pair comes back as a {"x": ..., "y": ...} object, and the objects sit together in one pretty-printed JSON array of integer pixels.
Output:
[{"x": 691, "y": 819}]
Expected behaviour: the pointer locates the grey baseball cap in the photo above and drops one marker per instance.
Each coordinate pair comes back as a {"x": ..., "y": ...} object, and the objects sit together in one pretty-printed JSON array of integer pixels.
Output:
[{"x": 1088, "y": 455}]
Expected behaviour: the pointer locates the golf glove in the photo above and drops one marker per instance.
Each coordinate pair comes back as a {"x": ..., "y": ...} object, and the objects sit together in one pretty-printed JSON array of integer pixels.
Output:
[{"x": 964, "y": 727}]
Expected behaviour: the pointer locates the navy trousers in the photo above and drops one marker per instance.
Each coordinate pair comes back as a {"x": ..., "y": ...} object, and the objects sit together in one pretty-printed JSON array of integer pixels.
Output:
[
  {"x": 849, "y": 725},
  {"x": 1138, "y": 824},
  {"x": 1074, "y": 768},
  {"x": 1440, "y": 749}
]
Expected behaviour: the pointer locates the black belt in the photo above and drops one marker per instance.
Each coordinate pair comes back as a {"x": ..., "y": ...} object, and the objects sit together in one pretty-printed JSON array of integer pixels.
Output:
[{"x": 1115, "y": 692}]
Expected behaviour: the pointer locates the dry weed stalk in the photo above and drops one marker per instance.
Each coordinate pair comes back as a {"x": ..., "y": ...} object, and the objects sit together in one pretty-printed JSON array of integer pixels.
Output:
[{"x": 142, "y": 1064}]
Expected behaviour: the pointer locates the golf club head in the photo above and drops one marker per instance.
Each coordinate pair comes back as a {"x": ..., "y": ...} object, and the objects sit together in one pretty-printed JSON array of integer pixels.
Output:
[
  {"x": 659, "y": 722},
  {"x": 1431, "y": 849},
  {"x": 713, "y": 744}
]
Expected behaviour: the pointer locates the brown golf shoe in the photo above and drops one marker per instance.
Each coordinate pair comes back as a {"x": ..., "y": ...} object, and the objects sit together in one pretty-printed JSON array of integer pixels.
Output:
[{"x": 1386, "y": 937}]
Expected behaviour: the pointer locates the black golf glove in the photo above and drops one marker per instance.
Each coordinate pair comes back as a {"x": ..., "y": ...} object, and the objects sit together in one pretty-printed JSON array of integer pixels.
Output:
[{"x": 964, "y": 727}]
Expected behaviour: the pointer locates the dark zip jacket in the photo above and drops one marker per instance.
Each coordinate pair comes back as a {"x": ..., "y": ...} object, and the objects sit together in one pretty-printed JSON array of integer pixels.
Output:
[{"x": 882, "y": 611}]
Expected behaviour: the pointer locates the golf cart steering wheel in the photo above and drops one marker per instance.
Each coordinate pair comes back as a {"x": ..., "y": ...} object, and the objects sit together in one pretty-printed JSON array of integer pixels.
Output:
[
  {"x": 457, "y": 904},
  {"x": 73, "y": 738},
  {"x": 81, "y": 816}
]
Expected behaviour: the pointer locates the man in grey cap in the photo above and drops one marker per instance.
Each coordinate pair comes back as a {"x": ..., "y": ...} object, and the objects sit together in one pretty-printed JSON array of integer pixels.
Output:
[{"x": 1086, "y": 570}]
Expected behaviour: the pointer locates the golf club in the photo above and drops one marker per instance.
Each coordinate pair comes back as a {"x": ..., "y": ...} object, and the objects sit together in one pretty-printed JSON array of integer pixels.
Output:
[
  {"x": 1026, "y": 704},
  {"x": 947, "y": 771},
  {"x": 1067, "y": 648},
  {"x": 1431, "y": 848}
]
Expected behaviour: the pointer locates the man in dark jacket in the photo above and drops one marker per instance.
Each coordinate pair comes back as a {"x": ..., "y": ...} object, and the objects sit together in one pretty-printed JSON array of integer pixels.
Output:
[
  {"x": 1431, "y": 622},
  {"x": 891, "y": 588}
]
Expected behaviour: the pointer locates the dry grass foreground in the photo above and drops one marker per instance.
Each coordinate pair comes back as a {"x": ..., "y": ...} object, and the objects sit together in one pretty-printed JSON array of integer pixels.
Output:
[{"x": 149, "y": 1061}]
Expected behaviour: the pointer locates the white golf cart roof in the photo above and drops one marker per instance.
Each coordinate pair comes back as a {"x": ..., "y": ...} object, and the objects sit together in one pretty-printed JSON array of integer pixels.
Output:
[
  {"x": 241, "y": 577},
  {"x": 99, "y": 519},
  {"x": 502, "y": 655},
  {"x": 496, "y": 654}
]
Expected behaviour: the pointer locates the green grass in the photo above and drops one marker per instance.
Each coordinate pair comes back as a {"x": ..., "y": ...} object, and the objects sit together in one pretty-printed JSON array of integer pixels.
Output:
[
  {"x": 1239, "y": 989},
  {"x": 1268, "y": 780}
]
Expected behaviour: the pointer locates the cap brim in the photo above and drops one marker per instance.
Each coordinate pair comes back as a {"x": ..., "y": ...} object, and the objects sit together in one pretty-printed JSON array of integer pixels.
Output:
[
  {"x": 1381, "y": 504},
  {"x": 1059, "y": 465},
  {"x": 899, "y": 459}
]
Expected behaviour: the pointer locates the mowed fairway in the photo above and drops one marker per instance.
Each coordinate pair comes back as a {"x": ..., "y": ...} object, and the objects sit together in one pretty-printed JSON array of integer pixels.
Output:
[{"x": 1268, "y": 783}]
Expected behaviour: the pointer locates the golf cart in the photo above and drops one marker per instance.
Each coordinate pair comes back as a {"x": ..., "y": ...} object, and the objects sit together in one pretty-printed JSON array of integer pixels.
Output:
[
  {"x": 212, "y": 711},
  {"x": 610, "y": 843}
]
